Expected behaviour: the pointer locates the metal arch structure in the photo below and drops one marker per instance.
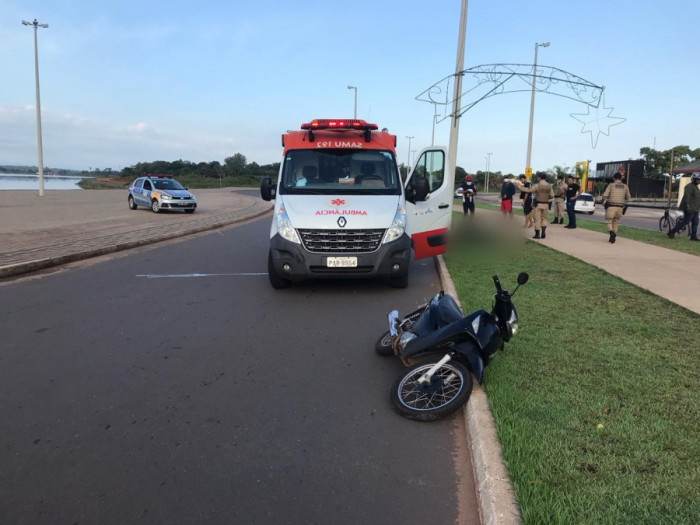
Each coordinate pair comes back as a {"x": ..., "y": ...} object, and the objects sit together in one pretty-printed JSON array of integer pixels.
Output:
[{"x": 489, "y": 80}]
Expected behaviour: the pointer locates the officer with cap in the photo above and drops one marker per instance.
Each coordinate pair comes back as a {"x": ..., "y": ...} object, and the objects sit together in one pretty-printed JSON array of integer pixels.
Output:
[
  {"x": 542, "y": 193},
  {"x": 690, "y": 204},
  {"x": 468, "y": 191},
  {"x": 615, "y": 198},
  {"x": 559, "y": 198}
]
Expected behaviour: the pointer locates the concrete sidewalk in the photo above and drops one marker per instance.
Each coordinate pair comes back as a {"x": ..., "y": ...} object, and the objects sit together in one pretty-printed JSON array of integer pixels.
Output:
[{"x": 69, "y": 225}]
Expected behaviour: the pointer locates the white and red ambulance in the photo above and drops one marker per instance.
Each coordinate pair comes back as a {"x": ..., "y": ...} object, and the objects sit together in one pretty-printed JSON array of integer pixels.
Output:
[{"x": 342, "y": 209}]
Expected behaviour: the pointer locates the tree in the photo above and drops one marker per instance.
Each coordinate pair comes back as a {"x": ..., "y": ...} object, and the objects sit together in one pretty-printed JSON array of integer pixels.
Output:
[
  {"x": 657, "y": 163},
  {"x": 235, "y": 166}
]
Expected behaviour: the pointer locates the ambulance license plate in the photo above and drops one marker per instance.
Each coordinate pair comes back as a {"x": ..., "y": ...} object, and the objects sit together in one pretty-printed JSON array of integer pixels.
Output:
[{"x": 341, "y": 262}]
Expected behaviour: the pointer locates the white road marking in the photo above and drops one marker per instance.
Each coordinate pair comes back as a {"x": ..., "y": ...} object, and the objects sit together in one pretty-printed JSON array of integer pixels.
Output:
[{"x": 190, "y": 275}]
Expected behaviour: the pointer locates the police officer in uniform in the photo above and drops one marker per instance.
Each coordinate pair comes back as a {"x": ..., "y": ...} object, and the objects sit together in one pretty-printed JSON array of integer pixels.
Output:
[
  {"x": 559, "y": 198},
  {"x": 542, "y": 193},
  {"x": 615, "y": 199}
]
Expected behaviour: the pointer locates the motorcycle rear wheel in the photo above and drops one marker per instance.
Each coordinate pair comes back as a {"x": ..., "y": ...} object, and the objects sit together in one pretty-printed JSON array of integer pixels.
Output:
[
  {"x": 383, "y": 345},
  {"x": 450, "y": 388}
]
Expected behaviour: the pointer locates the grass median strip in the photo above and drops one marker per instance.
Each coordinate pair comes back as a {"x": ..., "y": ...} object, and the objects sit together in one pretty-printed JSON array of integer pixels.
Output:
[{"x": 596, "y": 399}]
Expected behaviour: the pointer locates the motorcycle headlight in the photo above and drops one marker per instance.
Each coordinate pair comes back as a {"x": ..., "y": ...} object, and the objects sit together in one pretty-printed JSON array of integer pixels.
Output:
[
  {"x": 284, "y": 226},
  {"x": 398, "y": 226},
  {"x": 512, "y": 324}
]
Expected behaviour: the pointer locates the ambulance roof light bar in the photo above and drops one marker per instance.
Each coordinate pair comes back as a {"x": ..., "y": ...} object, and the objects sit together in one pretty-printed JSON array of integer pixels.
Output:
[{"x": 340, "y": 124}]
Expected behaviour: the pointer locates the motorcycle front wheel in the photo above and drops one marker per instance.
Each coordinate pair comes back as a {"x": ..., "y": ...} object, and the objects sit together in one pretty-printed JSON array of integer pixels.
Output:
[
  {"x": 383, "y": 344},
  {"x": 449, "y": 388}
]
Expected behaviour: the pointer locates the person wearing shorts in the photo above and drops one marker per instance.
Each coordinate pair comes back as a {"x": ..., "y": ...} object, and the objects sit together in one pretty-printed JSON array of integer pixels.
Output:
[{"x": 507, "y": 192}]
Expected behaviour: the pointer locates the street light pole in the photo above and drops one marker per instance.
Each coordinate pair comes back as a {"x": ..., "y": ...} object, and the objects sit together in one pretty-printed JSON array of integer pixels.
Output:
[
  {"x": 528, "y": 168},
  {"x": 488, "y": 171},
  {"x": 355, "y": 88},
  {"x": 36, "y": 26},
  {"x": 408, "y": 165}
]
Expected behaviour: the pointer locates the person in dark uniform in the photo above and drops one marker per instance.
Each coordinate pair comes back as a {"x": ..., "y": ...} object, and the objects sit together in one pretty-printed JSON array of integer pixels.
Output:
[
  {"x": 573, "y": 190},
  {"x": 468, "y": 191}
]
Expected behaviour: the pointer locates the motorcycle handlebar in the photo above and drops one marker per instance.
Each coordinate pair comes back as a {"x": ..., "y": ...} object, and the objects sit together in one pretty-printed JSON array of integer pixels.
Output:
[{"x": 497, "y": 282}]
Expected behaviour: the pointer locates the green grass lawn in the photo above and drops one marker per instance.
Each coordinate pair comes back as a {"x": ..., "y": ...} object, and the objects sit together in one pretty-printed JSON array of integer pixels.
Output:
[
  {"x": 596, "y": 399},
  {"x": 657, "y": 238}
]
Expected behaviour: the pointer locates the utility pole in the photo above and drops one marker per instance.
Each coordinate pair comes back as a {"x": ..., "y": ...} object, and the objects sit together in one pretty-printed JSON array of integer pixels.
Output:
[
  {"x": 36, "y": 26},
  {"x": 488, "y": 171},
  {"x": 457, "y": 94},
  {"x": 528, "y": 168},
  {"x": 408, "y": 160}
]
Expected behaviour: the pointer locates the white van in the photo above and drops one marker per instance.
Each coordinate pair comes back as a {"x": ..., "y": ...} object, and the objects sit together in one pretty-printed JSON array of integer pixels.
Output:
[{"x": 341, "y": 209}]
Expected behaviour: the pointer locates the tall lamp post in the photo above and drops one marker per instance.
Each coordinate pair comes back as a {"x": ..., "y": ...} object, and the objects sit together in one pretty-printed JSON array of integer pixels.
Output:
[
  {"x": 355, "y": 88},
  {"x": 36, "y": 26},
  {"x": 528, "y": 168},
  {"x": 488, "y": 171},
  {"x": 408, "y": 161}
]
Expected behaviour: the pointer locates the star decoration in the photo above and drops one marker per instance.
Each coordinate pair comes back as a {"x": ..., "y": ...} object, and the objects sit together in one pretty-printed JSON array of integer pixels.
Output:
[{"x": 599, "y": 122}]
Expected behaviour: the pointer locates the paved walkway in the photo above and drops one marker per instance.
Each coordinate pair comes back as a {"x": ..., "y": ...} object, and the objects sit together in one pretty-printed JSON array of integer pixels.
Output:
[{"x": 69, "y": 225}]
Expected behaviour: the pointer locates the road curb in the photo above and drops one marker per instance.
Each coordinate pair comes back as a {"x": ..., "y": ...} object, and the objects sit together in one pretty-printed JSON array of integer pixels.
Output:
[{"x": 497, "y": 503}]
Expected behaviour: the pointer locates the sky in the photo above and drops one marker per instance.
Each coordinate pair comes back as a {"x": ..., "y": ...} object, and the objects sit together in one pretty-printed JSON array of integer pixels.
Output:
[{"x": 138, "y": 81}]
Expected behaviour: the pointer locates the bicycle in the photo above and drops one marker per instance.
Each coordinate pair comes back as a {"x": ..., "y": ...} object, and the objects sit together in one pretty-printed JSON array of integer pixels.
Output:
[{"x": 667, "y": 222}]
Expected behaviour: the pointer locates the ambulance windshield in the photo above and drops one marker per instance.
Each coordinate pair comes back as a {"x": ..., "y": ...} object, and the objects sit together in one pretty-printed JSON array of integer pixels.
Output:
[{"x": 340, "y": 171}]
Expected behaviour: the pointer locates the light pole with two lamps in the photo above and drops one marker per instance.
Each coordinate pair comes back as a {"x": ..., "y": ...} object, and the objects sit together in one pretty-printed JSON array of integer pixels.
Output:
[
  {"x": 36, "y": 26},
  {"x": 528, "y": 168},
  {"x": 355, "y": 88}
]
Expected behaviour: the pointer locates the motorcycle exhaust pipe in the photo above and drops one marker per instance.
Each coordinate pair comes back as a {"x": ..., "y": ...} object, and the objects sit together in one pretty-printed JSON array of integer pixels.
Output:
[{"x": 425, "y": 378}]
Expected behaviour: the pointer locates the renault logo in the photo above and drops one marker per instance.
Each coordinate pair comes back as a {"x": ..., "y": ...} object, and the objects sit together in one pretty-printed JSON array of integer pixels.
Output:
[{"x": 342, "y": 222}]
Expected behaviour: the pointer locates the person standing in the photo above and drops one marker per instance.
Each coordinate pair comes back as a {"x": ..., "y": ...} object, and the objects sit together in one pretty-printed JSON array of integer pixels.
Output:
[
  {"x": 543, "y": 193},
  {"x": 690, "y": 205},
  {"x": 468, "y": 191},
  {"x": 507, "y": 192},
  {"x": 559, "y": 199},
  {"x": 573, "y": 190},
  {"x": 527, "y": 202},
  {"x": 615, "y": 198}
]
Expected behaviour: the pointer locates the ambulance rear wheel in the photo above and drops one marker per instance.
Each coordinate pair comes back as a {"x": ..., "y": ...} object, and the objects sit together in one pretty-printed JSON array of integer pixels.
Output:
[{"x": 276, "y": 281}]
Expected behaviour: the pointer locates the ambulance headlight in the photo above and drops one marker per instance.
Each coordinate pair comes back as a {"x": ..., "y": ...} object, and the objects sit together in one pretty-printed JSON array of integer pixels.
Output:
[
  {"x": 398, "y": 226},
  {"x": 284, "y": 226}
]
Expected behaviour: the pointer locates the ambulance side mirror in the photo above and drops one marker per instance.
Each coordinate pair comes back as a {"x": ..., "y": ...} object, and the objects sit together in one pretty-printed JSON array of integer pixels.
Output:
[{"x": 267, "y": 190}]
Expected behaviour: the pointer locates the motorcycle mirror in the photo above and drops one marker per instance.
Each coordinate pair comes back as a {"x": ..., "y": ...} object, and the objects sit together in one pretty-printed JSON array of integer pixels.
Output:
[{"x": 522, "y": 278}]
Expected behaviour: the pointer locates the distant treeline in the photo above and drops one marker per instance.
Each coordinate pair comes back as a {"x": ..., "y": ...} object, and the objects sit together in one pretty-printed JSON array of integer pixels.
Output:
[{"x": 235, "y": 166}]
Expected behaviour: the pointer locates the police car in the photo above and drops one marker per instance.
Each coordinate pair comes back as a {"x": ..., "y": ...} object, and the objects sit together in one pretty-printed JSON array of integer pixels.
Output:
[
  {"x": 160, "y": 192},
  {"x": 585, "y": 203}
]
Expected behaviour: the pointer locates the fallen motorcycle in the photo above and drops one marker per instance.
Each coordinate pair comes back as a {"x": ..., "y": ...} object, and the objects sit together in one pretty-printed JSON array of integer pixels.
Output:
[{"x": 443, "y": 348}]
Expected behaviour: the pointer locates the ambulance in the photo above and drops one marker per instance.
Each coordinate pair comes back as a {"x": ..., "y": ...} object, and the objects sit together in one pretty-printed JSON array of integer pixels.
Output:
[{"x": 342, "y": 210}]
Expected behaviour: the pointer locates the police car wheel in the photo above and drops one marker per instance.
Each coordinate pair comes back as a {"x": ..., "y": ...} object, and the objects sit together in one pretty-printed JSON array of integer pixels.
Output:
[
  {"x": 132, "y": 204},
  {"x": 155, "y": 206}
]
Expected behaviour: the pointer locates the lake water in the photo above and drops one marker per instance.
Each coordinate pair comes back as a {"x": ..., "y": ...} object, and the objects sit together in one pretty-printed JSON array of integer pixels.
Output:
[{"x": 20, "y": 181}]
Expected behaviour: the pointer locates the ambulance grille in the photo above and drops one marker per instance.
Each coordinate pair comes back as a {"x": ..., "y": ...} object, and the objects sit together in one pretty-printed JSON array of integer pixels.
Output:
[{"x": 341, "y": 241}]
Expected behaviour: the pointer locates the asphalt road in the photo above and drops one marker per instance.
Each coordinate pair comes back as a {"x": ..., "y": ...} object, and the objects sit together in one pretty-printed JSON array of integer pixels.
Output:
[{"x": 172, "y": 384}]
